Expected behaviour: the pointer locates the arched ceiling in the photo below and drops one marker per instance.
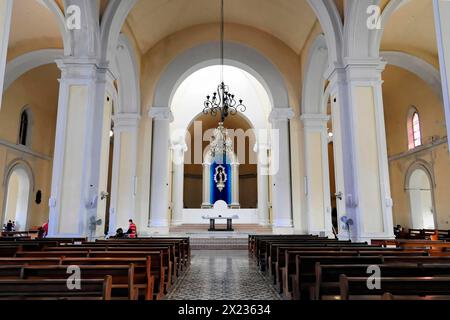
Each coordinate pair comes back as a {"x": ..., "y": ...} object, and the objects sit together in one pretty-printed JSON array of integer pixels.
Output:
[
  {"x": 411, "y": 29},
  {"x": 33, "y": 27},
  {"x": 289, "y": 20}
]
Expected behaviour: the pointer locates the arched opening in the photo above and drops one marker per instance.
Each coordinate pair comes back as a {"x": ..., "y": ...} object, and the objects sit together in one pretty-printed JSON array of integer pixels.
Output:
[
  {"x": 17, "y": 197},
  {"x": 420, "y": 189},
  {"x": 243, "y": 138},
  {"x": 192, "y": 129}
]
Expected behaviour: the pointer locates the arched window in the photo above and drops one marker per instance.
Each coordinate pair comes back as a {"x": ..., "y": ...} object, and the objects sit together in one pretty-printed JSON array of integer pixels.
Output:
[
  {"x": 414, "y": 132},
  {"x": 23, "y": 132}
]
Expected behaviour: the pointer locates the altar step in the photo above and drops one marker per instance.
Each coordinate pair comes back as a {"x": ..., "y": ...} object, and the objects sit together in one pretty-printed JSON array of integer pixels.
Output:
[
  {"x": 217, "y": 243},
  {"x": 238, "y": 228}
]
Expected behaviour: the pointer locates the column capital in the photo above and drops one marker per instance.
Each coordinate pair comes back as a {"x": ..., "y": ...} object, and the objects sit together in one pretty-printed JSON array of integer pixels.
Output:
[
  {"x": 281, "y": 114},
  {"x": 126, "y": 120},
  {"x": 315, "y": 121},
  {"x": 261, "y": 146},
  {"x": 357, "y": 69},
  {"x": 83, "y": 69},
  {"x": 160, "y": 113},
  {"x": 179, "y": 146}
]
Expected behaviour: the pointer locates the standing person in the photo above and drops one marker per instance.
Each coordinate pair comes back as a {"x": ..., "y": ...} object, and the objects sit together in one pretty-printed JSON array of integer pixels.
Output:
[
  {"x": 132, "y": 230},
  {"x": 45, "y": 229}
]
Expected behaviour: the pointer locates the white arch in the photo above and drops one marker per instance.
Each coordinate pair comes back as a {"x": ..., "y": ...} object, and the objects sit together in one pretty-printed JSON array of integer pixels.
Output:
[
  {"x": 388, "y": 11},
  {"x": 204, "y": 55},
  {"x": 128, "y": 77},
  {"x": 112, "y": 22},
  {"x": 358, "y": 38},
  {"x": 28, "y": 61},
  {"x": 419, "y": 67},
  {"x": 420, "y": 187},
  {"x": 331, "y": 23},
  {"x": 314, "y": 81},
  {"x": 23, "y": 194}
]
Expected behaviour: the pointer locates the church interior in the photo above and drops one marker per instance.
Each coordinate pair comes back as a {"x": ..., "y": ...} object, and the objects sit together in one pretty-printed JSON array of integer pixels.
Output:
[{"x": 282, "y": 147}]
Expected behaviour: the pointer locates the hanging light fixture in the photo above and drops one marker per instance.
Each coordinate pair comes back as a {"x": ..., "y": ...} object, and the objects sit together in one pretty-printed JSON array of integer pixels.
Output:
[{"x": 222, "y": 101}]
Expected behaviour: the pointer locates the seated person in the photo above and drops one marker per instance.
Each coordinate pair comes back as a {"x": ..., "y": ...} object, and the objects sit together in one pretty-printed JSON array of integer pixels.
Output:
[
  {"x": 119, "y": 234},
  {"x": 132, "y": 230}
]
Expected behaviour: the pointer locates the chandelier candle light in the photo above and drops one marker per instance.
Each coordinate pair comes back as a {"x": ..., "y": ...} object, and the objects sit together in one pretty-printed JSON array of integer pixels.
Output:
[{"x": 222, "y": 101}]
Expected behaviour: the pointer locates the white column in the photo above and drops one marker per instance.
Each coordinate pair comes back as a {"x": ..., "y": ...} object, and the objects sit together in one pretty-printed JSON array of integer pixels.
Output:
[
  {"x": 159, "y": 193},
  {"x": 263, "y": 183},
  {"x": 178, "y": 151},
  {"x": 318, "y": 202},
  {"x": 280, "y": 169},
  {"x": 235, "y": 185},
  {"x": 206, "y": 194},
  {"x": 123, "y": 179},
  {"x": 357, "y": 94},
  {"x": 78, "y": 148},
  {"x": 6, "y": 7},
  {"x": 442, "y": 22}
]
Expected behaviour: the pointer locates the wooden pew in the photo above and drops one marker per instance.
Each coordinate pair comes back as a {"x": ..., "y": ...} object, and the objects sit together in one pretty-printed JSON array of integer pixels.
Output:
[
  {"x": 287, "y": 272},
  {"x": 92, "y": 289},
  {"x": 303, "y": 280},
  {"x": 123, "y": 276},
  {"x": 355, "y": 288},
  {"x": 154, "y": 284},
  {"x": 327, "y": 276}
]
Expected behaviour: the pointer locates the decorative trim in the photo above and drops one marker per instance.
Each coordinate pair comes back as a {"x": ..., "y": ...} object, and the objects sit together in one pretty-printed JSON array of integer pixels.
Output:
[
  {"x": 161, "y": 113},
  {"x": 25, "y": 150},
  {"x": 419, "y": 149},
  {"x": 281, "y": 114}
]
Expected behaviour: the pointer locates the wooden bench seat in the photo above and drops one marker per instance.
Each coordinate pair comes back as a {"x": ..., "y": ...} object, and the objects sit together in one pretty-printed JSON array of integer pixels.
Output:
[
  {"x": 355, "y": 288},
  {"x": 327, "y": 276},
  {"x": 91, "y": 289}
]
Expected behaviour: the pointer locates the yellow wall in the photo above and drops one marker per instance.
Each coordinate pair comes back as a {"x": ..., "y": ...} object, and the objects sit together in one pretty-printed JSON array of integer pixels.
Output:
[
  {"x": 402, "y": 89},
  {"x": 37, "y": 89}
]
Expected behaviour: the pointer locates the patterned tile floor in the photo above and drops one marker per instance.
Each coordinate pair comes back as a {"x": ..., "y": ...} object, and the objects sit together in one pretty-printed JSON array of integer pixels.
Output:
[{"x": 222, "y": 275}]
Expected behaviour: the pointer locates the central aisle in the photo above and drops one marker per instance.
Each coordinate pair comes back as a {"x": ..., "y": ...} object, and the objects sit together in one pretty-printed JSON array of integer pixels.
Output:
[{"x": 223, "y": 275}]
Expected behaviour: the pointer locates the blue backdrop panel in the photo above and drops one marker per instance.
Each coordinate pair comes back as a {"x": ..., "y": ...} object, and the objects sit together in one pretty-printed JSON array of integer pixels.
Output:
[{"x": 216, "y": 194}]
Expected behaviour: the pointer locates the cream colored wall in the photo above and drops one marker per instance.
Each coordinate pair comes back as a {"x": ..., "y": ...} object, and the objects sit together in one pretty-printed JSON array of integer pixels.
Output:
[
  {"x": 37, "y": 89},
  {"x": 401, "y": 90}
]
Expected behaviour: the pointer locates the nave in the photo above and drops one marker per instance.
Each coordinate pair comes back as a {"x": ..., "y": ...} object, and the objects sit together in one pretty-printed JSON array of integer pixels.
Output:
[{"x": 223, "y": 275}]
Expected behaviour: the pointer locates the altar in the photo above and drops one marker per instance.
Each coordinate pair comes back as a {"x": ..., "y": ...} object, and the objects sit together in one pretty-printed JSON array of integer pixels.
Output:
[
  {"x": 212, "y": 222},
  {"x": 220, "y": 211}
]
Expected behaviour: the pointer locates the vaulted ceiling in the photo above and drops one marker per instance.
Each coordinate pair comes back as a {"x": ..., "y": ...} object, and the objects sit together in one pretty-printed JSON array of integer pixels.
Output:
[
  {"x": 410, "y": 29},
  {"x": 289, "y": 20}
]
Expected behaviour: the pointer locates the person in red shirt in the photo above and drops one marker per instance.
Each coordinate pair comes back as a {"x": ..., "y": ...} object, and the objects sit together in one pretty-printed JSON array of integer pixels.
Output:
[
  {"x": 45, "y": 228},
  {"x": 132, "y": 230}
]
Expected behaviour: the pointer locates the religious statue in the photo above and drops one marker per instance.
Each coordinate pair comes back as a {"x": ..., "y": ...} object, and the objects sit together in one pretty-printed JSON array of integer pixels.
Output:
[{"x": 220, "y": 177}]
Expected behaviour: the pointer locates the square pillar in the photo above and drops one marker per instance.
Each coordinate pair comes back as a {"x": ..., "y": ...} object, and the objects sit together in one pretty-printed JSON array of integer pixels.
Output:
[
  {"x": 76, "y": 176},
  {"x": 123, "y": 180},
  {"x": 318, "y": 201},
  {"x": 280, "y": 169},
  {"x": 357, "y": 94},
  {"x": 159, "y": 198},
  {"x": 442, "y": 22}
]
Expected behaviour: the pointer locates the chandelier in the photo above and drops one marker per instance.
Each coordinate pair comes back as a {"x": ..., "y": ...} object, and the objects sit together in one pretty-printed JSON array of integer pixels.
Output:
[
  {"x": 220, "y": 143},
  {"x": 222, "y": 101}
]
